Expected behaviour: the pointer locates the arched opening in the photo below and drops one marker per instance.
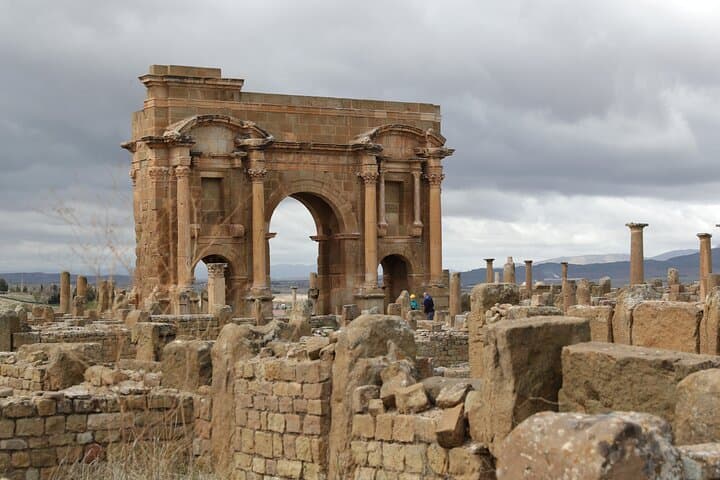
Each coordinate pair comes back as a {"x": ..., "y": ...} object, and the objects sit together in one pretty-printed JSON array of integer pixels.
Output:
[
  {"x": 395, "y": 276},
  {"x": 297, "y": 218},
  {"x": 202, "y": 283}
]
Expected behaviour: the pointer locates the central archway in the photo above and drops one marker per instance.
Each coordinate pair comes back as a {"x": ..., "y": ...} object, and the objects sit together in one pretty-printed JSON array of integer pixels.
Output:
[
  {"x": 395, "y": 276},
  {"x": 334, "y": 282}
]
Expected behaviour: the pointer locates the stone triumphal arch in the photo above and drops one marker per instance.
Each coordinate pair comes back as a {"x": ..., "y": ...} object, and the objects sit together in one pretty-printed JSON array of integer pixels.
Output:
[{"x": 211, "y": 162}]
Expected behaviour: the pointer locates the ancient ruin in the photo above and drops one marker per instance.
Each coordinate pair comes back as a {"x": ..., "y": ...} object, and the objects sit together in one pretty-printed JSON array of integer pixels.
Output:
[
  {"x": 211, "y": 162},
  {"x": 516, "y": 379}
]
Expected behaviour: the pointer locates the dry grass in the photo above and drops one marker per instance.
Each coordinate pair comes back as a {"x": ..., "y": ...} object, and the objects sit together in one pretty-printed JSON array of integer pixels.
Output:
[{"x": 146, "y": 460}]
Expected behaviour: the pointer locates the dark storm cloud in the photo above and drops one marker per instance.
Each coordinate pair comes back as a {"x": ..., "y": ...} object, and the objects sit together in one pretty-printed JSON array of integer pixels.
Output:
[{"x": 572, "y": 98}]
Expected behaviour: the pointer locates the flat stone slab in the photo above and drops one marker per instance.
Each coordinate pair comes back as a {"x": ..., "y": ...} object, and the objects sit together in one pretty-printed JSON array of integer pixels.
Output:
[{"x": 602, "y": 377}]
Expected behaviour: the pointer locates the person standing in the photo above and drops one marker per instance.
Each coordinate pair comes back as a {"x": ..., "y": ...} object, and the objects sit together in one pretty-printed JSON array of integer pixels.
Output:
[
  {"x": 428, "y": 306},
  {"x": 413, "y": 302}
]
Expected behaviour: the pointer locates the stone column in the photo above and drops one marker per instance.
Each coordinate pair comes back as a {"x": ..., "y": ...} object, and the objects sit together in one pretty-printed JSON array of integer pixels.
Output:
[
  {"x": 184, "y": 247},
  {"x": 65, "y": 292},
  {"x": 529, "y": 277},
  {"x": 705, "y": 263},
  {"x": 417, "y": 222},
  {"x": 455, "y": 294},
  {"x": 489, "y": 272},
  {"x": 509, "y": 271},
  {"x": 382, "y": 221},
  {"x": 369, "y": 177},
  {"x": 216, "y": 286},
  {"x": 294, "y": 296},
  {"x": 564, "y": 286},
  {"x": 637, "y": 270},
  {"x": 435, "y": 178},
  {"x": 81, "y": 286},
  {"x": 257, "y": 174}
]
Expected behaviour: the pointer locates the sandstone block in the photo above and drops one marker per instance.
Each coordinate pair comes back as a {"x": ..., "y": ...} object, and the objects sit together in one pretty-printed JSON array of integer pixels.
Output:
[
  {"x": 362, "y": 397},
  {"x": 403, "y": 428},
  {"x": 521, "y": 311},
  {"x": 450, "y": 429},
  {"x": 622, "y": 445},
  {"x": 701, "y": 462},
  {"x": 412, "y": 399},
  {"x": 697, "y": 411},
  {"x": 601, "y": 377},
  {"x": 627, "y": 300},
  {"x": 187, "y": 364},
  {"x": 390, "y": 387},
  {"x": 710, "y": 325},
  {"x": 523, "y": 372},
  {"x": 452, "y": 395},
  {"x": 9, "y": 324},
  {"x": 471, "y": 462},
  {"x": 600, "y": 318},
  {"x": 669, "y": 325}
]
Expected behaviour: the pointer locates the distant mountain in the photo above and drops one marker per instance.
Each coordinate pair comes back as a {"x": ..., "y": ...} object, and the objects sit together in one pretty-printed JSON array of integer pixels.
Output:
[
  {"x": 614, "y": 257},
  {"x": 587, "y": 259},
  {"x": 619, "y": 272},
  {"x": 40, "y": 278}
]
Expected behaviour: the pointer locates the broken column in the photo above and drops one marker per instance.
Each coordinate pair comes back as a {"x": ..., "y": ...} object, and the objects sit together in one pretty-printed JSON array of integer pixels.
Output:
[
  {"x": 455, "y": 292},
  {"x": 65, "y": 292},
  {"x": 637, "y": 266},
  {"x": 216, "y": 286},
  {"x": 565, "y": 286},
  {"x": 705, "y": 262},
  {"x": 313, "y": 291},
  {"x": 528, "y": 277},
  {"x": 509, "y": 271},
  {"x": 78, "y": 304},
  {"x": 489, "y": 272},
  {"x": 582, "y": 293}
]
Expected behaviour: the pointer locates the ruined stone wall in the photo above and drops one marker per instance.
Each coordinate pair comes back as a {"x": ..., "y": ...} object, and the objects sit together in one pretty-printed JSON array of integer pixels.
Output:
[
  {"x": 282, "y": 418},
  {"x": 447, "y": 348},
  {"x": 115, "y": 341},
  {"x": 203, "y": 327},
  {"x": 42, "y": 435}
]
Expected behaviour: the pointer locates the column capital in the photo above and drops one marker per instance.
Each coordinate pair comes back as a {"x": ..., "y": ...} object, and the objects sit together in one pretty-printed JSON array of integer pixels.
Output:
[
  {"x": 182, "y": 171},
  {"x": 368, "y": 177},
  {"x": 216, "y": 269},
  {"x": 489, "y": 259},
  {"x": 158, "y": 174},
  {"x": 704, "y": 235},
  {"x": 257, "y": 174},
  {"x": 528, "y": 262},
  {"x": 636, "y": 226},
  {"x": 434, "y": 178}
]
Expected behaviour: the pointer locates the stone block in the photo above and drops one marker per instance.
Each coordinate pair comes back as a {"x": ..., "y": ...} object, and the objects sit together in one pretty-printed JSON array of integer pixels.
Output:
[
  {"x": 517, "y": 312},
  {"x": 9, "y": 325},
  {"x": 621, "y": 445},
  {"x": 601, "y": 377},
  {"x": 362, "y": 396},
  {"x": 403, "y": 428},
  {"x": 523, "y": 372},
  {"x": 390, "y": 387},
  {"x": 710, "y": 325},
  {"x": 452, "y": 394},
  {"x": 187, "y": 364},
  {"x": 627, "y": 300},
  {"x": 412, "y": 399},
  {"x": 450, "y": 430},
  {"x": 600, "y": 318},
  {"x": 697, "y": 411},
  {"x": 471, "y": 462},
  {"x": 151, "y": 338},
  {"x": 363, "y": 426},
  {"x": 668, "y": 325},
  {"x": 701, "y": 462}
]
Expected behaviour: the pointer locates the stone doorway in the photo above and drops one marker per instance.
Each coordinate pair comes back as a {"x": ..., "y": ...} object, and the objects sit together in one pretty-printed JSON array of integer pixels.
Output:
[
  {"x": 205, "y": 274},
  {"x": 395, "y": 277}
]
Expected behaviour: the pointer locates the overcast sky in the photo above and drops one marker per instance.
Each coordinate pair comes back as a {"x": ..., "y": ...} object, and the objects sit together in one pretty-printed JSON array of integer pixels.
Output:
[{"x": 569, "y": 118}]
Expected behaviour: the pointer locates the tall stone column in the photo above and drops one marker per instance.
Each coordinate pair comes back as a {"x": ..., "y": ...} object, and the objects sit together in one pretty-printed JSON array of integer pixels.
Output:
[
  {"x": 455, "y": 293},
  {"x": 65, "y": 292},
  {"x": 489, "y": 272},
  {"x": 564, "y": 286},
  {"x": 382, "y": 221},
  {"x": 529, "y": 277},
  {"x": 257, "y": 173},
  {"x": 705, "y": 262},
  {"x": 81, "y": 285},
  {"x": 417, "y": 221},
  {"x": 509, "y": 271},
  {"x": 216, "y": 286},
  {"x": 435, "y": 178},
  {"x": 637, "y": 265},
  {"x": 369, "y": 177},
  {"x": 184, "y": 247}
]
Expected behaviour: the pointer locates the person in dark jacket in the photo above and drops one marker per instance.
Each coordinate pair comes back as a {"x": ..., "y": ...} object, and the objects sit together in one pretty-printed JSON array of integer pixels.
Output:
[{"x": 428, "y": 306}]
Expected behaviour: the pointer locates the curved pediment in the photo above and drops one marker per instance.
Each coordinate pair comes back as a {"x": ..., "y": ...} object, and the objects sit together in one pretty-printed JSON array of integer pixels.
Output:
[
  {"x": 217, "y": 134},
  {"x": 400, "y": 141}
]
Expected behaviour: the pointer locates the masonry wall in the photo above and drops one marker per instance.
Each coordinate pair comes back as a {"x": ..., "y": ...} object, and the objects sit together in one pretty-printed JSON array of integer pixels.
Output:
[
  {"x": 282, "y": 419},
  {"x": 115, "y": 341},
  {"x": 42, "y": 435},
  {"x": 201, "y": 327},
  {"x": 447, "y": 348}
]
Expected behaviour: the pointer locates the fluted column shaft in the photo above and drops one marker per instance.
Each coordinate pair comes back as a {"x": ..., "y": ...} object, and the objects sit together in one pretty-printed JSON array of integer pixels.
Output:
[
  {"x": 184, "y": 248},
  {"x": 435, "y": 178},
  {"x": 369, "y": 177},
  {"x": 257, "y": 173}
]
